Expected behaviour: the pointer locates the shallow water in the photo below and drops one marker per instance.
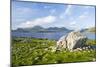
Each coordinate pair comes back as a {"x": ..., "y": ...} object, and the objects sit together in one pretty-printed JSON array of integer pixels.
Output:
[{"x": 49, "y": 35}]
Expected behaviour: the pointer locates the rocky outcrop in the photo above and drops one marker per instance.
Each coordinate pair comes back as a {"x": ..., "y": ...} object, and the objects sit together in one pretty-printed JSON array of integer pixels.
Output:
[
  {"x": 75, "y": 40},
  {"x": 61, "y": 43},
  {"x": 72, "y": 41}
]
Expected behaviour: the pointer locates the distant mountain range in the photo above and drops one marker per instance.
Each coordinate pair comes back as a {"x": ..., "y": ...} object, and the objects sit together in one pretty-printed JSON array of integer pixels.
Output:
[
  {"x": 50, "y": 29},
  {"x": 41, "y": 29}
]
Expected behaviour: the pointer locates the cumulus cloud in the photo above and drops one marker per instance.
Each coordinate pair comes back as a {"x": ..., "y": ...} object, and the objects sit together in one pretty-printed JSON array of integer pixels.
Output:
[
  {"x": 38, "y": 21},
  {"x": 75, "y": 23}
]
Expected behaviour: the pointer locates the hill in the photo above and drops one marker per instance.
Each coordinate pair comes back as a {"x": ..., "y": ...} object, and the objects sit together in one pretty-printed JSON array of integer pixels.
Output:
[
  {"x": 91, "y": 29},
  {"x": 41, "y": 29}
]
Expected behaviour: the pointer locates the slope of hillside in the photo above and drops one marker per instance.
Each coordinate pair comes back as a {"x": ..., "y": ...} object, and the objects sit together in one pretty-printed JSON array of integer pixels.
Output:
[{"x": 91, "y": 29}]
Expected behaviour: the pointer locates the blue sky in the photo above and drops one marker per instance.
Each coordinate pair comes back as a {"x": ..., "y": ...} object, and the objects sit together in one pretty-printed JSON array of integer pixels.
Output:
[{"x": 29, "y": 14}]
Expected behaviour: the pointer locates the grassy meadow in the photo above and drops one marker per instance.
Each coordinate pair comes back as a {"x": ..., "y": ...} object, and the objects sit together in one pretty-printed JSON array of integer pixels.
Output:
[{"x": 32, "y": 51}]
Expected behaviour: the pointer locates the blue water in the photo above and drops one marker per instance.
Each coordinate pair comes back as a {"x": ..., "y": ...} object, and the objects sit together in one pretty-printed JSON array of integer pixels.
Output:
[
  {"x": 49, "y": 35},
  {"x": 90, "y": 35}
]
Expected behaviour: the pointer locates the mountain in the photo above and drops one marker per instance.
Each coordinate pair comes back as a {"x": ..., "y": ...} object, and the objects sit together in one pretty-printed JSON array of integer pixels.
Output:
[
  {"x": 91, "y": 29},
  {"x": 57, "y": 29},
  {"x": 32, "y": 29},
  {"x": 41, "y": 29}
]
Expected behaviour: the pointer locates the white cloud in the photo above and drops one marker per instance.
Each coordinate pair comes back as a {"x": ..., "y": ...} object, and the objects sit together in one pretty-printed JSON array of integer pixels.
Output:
[
  {"x": 73, "y": 23},
  {"x": 61, "y": 16},
  {"x": 66, "y": 12},
  {"x": 84, "y": 15},
  {"x": 24, "y": 10},
  {"x": 46, "y": 6},
  {"x": 38, "y": 21},
  {"x": 52, "y": 11}
]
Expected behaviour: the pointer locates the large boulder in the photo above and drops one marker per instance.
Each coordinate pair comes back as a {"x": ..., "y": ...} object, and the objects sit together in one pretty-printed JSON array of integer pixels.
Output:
[
  {"x": 72, "y": 41},
  {"x": 61, "y": 43}
]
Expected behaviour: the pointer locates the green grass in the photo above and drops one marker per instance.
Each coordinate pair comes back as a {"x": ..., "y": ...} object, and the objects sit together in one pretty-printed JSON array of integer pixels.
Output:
[
  {"x": 31, "y": 51},
  {"x": 91, "y": 42}
]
